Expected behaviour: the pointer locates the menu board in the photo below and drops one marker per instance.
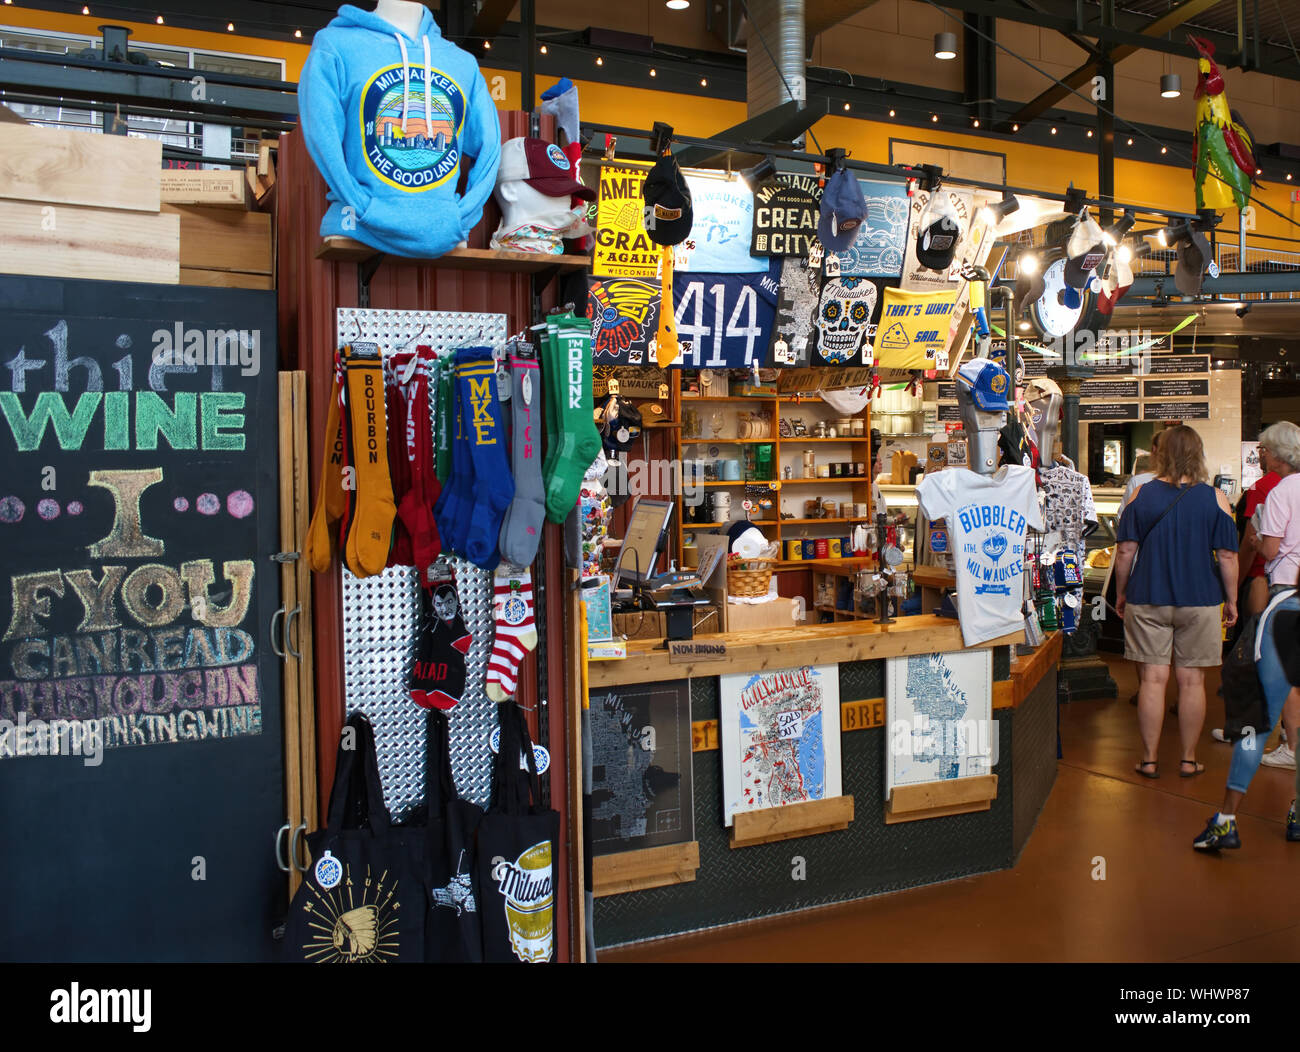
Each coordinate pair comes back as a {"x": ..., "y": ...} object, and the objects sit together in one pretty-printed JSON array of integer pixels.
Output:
[
  {"x": 949, "y": 411},
  {"x": 1106, "y": 412},
  {"x": 1176, "y": 411},
  {"x": 1183, "y": 388},
  {"x": 1167, "y": 364},
  {"x": 1110, "y": 390}
]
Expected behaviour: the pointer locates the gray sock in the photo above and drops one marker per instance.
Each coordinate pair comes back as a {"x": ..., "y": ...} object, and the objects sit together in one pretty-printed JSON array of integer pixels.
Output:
[
  {"x": 521, "y": 529},
  {"x": 564, "y": 107}
]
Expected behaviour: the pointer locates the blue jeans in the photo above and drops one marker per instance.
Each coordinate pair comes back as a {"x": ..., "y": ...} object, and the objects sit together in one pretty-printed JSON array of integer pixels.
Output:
[{"x": 1272, "y": 678}]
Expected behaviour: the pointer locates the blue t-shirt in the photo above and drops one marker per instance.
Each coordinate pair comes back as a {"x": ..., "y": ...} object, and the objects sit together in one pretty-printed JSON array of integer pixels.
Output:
[{"x": 1174, "y": 566}]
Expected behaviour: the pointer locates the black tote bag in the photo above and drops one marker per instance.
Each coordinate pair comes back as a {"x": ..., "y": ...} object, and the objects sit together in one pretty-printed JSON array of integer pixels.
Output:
[
  {"x": 454, "y": 932},
  {"x": 518, "y": 854},
  {"x": 362, "y": 901}
]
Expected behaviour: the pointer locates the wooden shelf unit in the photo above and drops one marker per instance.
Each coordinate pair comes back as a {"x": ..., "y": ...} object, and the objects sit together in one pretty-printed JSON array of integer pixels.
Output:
[{"x": 812, "y": 408}]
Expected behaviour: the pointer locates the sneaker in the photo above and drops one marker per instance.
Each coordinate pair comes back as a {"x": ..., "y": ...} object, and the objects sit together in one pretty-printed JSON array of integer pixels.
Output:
[
  {"x": 1218, "y": 735},
  {"x": 1292, "y": 824},
  {"x": 1218, "y": 836},
  {"x": 1282, "y": 756}
]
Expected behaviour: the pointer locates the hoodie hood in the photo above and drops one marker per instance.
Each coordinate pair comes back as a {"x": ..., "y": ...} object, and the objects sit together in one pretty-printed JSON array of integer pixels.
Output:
[{"x": 393, "y": 122}]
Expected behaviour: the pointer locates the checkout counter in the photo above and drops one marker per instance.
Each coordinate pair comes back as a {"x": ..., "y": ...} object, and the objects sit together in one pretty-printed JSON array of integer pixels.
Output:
[{"x": 859, "y": 847}]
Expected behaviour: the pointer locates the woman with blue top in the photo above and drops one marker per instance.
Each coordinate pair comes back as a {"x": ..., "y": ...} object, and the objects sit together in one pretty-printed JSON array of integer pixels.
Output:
[{"x": 1170, "y": 587}]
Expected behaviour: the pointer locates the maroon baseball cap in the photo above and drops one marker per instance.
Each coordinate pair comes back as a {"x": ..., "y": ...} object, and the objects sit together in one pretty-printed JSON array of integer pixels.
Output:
[{"x": 543, "y": 166}]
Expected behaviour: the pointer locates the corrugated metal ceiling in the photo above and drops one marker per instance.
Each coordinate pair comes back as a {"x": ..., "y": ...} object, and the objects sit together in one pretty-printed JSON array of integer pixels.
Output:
[{"x": 1279, "y": 20}]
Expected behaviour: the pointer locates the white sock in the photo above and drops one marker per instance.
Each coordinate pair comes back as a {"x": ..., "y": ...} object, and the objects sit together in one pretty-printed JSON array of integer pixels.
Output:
[{"x": 1224, "y": 819}]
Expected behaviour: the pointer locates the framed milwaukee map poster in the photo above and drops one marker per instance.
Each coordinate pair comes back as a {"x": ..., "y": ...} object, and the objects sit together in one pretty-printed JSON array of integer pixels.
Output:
[
  {"x": 940, "y": 717},
  {"x": 780, "y": 735},
  {"x": 641, "y": 790}
]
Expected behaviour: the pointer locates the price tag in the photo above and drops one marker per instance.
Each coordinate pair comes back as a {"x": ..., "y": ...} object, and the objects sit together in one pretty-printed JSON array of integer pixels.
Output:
[{"x": 748, "y": 505}]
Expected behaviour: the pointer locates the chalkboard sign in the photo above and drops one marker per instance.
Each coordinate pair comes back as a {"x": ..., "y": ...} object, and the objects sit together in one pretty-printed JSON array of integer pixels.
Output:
[
  {"x": 1175, "y": 410},
  {"x": 141, "y": 757},
  {"x": 1109, "y": 390},
  {"x": 1176, "y": 389},
  {"x": 1109, "y": 411},
  {"x": 949, "y": 411}
]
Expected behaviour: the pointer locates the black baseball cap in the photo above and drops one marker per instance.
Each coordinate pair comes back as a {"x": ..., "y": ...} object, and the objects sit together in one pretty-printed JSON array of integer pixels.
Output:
[{"x": 669, "y": 216}]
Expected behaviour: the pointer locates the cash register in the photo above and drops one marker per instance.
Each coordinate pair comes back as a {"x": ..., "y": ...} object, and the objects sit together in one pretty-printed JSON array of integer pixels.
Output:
[{"x": 638, "y": 583}]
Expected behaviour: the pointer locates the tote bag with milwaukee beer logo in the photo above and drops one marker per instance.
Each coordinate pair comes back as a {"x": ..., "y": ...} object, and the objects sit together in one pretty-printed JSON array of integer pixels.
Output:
[
  {"x": 363, "y": 900},
  {"x": 518, "y": 847}
]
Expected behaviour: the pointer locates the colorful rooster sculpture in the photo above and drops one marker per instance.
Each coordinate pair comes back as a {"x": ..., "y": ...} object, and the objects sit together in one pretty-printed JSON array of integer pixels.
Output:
[{"x": 1225, "y": 155}]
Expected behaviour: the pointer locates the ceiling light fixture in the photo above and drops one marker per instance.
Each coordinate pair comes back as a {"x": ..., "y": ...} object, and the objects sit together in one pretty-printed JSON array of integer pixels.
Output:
[
  {"x": 934, "y": 118},
  {"x": 1171, "y": 86},
  {"x": 298, "y": 33},
  {"x": 85, "y": 10},
  {"x": 1053, "y": 129},
  {"x": 230, "y": 27},
  {"x": 1164, "y": 149},
  {"x": 542, "y": 49},
  {"x": 704, "y": 82},
  {"x": 846, "y": 107},
  {"x": 992, "y": 215},
  {"x": 891, "y": 113},
  {"x": 977, "y": 122},
  {"x": 1089, "y": 133},
  {"x": 1130, "y": 142},
  {"x": 945, "y": 45},
  {"x": 159, "y": 19},
  {"x": 653, "y": 73},
  {"x": 599, "y": 61},
  {"x": 678, "y": 5},
  {"x": 1015, "y": 127},
  {"x": 1027, "y": 263},
  {"x": 487, "y": 45}
]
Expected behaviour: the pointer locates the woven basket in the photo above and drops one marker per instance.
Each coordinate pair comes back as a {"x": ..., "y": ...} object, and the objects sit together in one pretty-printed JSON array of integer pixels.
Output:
[{"x": 750, "y": 577}]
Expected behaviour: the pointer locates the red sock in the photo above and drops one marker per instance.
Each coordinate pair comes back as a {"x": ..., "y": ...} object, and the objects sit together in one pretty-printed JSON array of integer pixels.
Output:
[
  {"x": 516, "y": 630},
  {"x": 399, "y": 466},
  {"x": 416, "y": 507}
]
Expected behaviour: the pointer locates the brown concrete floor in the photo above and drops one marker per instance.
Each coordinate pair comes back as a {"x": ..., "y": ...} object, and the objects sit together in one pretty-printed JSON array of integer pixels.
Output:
[{"x": 1160, "y": 901}]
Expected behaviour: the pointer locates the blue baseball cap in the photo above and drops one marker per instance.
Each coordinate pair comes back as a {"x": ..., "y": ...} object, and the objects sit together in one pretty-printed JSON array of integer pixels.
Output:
[
  {"x": 987, "y": 383},
  {"x": 843, "y": 210}
]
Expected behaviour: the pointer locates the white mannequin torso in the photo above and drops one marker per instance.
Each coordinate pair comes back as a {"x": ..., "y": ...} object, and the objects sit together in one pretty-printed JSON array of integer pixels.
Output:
[
  {"x": 521, "y": 204},
  {"x": 403, "y": 15}
]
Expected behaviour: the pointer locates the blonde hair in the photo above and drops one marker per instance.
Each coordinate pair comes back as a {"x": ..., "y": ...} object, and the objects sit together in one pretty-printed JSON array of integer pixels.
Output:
[
  {"x": 1283, "y": 441},
  {"x": 1180, "y": 455}
]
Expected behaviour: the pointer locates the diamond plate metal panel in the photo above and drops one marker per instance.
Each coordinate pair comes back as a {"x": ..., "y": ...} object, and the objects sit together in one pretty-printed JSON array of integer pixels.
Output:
[
  {"x": 1033, "y": 756},
  {"x": 380, "y": 613},
  {"x": 869, "y": 858},
  {"x": 860, "y": 680}
]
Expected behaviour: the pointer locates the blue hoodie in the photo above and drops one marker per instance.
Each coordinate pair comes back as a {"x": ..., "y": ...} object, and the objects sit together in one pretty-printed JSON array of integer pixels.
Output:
[{"x": 390, "y": 150}]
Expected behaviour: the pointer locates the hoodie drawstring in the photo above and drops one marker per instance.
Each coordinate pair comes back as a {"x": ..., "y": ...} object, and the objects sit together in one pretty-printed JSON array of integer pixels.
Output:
[
  {"x": 406, "y": 77},
  {"x": 428, "y": 91}
]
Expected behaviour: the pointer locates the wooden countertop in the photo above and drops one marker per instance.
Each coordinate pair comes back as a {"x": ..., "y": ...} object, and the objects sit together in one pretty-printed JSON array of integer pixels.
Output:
[{"x": 789, "y": 647}]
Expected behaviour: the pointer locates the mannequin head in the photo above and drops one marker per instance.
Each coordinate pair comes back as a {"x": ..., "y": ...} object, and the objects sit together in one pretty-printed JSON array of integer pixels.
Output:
[
  {"x": 403, "y": 15},
  {"x": 982, "y": 389},
  {"x": 535, "y": 185},
  {"x": 1044, "y": 399}
]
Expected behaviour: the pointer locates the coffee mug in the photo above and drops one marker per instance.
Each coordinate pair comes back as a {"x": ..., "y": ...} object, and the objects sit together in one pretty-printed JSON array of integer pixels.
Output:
[{"x": 731, "y": 471}]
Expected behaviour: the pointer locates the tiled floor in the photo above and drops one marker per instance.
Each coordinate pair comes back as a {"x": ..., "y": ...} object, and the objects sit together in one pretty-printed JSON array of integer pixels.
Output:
[{"x": 1159, "y": 901}]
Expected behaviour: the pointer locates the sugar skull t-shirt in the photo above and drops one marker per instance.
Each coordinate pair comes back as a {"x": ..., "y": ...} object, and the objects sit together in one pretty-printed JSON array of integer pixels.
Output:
[{"x": 987, "y": 517}]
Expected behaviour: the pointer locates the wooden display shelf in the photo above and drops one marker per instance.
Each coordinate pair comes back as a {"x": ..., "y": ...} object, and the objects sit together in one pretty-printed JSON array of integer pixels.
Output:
[
  {"x": 687, "y": 527},
  {"x": 793, "y": 820},
  {"x": 727, "y": 398},
  {"x": 821, "y": 564},
  {"x": 723, "y": 441},
  {"x": 654, "y": 867},
  {"x": 818, "y": 522},
  {"x": 853, "y": 438},
  {"x": 739, "y": 482},
  {"x": 805, "y": 482},
  {"x": 348, "y": 250},
  {"x": 954, "y": 796}
]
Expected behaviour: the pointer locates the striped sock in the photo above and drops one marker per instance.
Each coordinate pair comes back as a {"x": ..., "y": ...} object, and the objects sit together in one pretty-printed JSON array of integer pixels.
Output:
[{"x": 516, "y": 630}]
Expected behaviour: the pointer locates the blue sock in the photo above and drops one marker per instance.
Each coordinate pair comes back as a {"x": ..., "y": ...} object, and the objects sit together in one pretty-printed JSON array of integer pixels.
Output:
[
  {"x": 494, "y": 486},
  {"x": 451, "y": 512}
]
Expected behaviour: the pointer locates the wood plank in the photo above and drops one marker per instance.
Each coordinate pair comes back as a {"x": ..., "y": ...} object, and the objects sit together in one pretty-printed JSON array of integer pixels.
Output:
[
  {"x": 219, "y": 189},
  {"x": 947, "y": 793},
  {"x": 348, "y": 250},
  {"x": 96, "y": 243},
  {"x": 226, "y": 279},
  {"x": 793, "y": 820},
  {"x": 79, "y": 168},
  {"x": 773, "y": 649},
  {"x": 1004, "y": 694},
  {"x": 1027, "y": 671},
  {"x": 293, "y": 757},
  {"x": 654, "y": 867},
  {"x": 303, "y": 624},
  {"x": 936, "y": 812},
  {"x": 224, "y": 239}
]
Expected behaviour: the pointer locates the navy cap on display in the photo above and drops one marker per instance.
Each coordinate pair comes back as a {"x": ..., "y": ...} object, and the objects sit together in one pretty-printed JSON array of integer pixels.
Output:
[
  {"x": 936, "y": 244},
  {"x": 843, "y": 210},
  {"x": 987, "y": 383},
  {"x": 669, "y": 214}
]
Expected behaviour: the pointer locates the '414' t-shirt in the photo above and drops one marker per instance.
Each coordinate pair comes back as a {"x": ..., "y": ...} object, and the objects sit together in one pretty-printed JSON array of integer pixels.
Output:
[{"x": 987, "y": 517}]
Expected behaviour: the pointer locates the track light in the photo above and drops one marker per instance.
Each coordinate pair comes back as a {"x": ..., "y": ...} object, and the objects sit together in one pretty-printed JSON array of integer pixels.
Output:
[
  {"x": 945, "y": 45},
  {"x": 992, "y": 215},
  {"x": 762, "y": 174},
  {"x": 1118, "y": 229},
  {"x": 1171, "y": 86},
  {"x": 1124, "y": 254},
  {"x": 1142, "y": 251},
  {"x": 1172, "y": 234},
  {"x": 1027, "y": 264}
]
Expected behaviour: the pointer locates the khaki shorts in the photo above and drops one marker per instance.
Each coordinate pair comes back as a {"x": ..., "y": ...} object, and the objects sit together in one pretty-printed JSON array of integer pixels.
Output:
[{"x": 1185, "y": 636}]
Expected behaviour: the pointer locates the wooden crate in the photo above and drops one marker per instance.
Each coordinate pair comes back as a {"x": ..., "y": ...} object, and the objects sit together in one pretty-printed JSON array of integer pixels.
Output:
[
  {"x": 218, "y": 189},
  {"x": 224, "y": 239},
  {"x": 79, "y": 168},
  {"x": 69, "y": 241}
]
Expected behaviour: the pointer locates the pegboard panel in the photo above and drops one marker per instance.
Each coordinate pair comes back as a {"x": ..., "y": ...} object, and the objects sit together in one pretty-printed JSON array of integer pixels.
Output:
[{"x": 381, "y": 613}]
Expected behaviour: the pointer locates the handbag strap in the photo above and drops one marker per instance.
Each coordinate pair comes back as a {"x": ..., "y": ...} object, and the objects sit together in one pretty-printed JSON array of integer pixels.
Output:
[
  {"x": 1170, "y": 507},
  {"x": 439, "y": 786},
  {"x": 357, "y": 789},
  {"x": 512, "y": 786}
]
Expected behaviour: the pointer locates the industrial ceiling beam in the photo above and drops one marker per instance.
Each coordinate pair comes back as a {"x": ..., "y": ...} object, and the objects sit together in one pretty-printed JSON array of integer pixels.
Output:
[
  {"x": 491, "y": 18},
  {"x": 820, "y": 15},
  {"x": 1083, "y": 75}
]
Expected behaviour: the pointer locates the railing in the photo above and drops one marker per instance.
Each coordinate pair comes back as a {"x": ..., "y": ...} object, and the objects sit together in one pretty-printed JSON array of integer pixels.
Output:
[{"x": 1260, "y": 261}]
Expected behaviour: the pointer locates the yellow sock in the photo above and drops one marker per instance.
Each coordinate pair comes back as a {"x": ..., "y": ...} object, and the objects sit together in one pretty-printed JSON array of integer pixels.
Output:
[
  {"x": 666, "y": 349},
  {"x": 371, "y": 532},
  {"x": 331, "y": 500}
]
